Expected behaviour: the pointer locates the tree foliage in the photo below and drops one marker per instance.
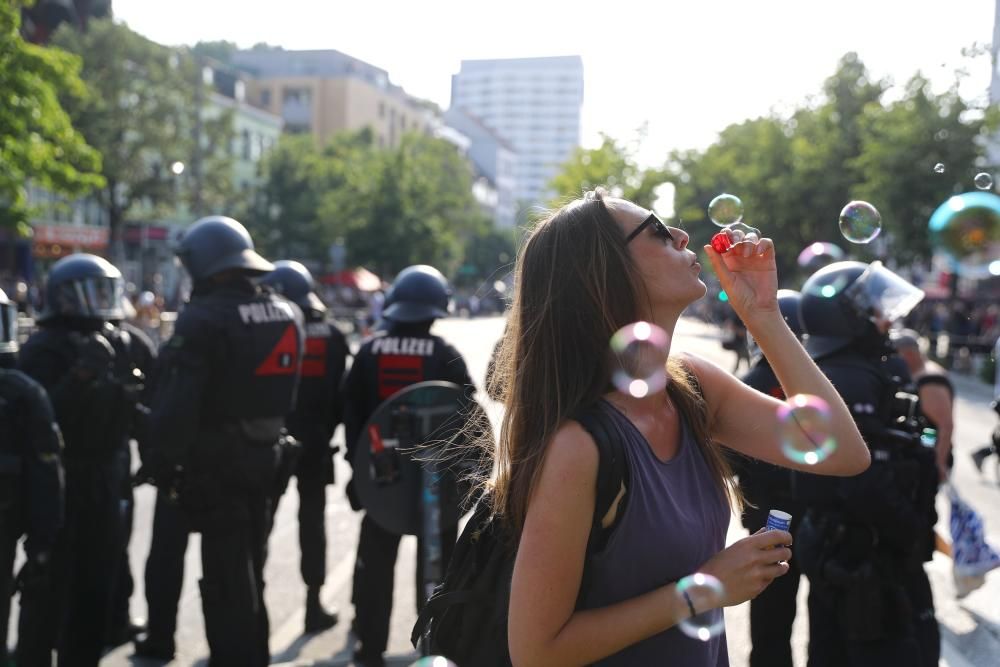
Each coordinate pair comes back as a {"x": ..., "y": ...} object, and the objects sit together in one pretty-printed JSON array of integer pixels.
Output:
[
  {"x": 795, "y": 174},
  {"x": 144, "y": 112},
  {"x": 391, "y": 208},
  {"x": 38, "y": 142},
  {"x": 611, "y": 165}
]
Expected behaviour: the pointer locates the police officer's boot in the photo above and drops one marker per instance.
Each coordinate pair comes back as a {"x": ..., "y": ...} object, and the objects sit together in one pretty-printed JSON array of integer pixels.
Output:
[{"x": 317, "y": 618}]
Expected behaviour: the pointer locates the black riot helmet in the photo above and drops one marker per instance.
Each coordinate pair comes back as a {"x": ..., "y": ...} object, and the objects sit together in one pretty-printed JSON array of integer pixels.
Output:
[
  {"x": 788, "y": 304},
  {"x": 294, "y": 281},
  {"x": 83, "y": 286},
  {"x": 846, "y": 301},
  {"x": 216, "y": 244},
  {"x": 420, "y": 293},
  {"x": 8, "y": 325}
]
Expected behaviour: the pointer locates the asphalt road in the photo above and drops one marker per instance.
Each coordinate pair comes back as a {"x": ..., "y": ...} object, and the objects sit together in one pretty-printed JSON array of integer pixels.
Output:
[{"x": 970, "y": 627}]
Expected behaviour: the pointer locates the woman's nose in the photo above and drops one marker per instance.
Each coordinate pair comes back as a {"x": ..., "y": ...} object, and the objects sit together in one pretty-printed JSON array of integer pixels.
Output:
[{"x": 681, "y": 237}]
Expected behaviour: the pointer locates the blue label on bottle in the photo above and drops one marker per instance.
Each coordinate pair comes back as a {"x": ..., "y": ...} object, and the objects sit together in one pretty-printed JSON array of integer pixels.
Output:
[{"x": 778, "y": 523}]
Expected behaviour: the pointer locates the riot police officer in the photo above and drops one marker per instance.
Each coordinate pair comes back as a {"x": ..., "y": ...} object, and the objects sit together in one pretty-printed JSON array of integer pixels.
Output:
[
  {"x": 767, "y": 487},
  {"x": 404, "y": 354},
  {"x": 864, "y": 539},
  {"x": 317, "y": 412},
  {"x": 31, "y": 493},
  {"x": 72, "y": 358},
  {"x": 227, "y": 379}
]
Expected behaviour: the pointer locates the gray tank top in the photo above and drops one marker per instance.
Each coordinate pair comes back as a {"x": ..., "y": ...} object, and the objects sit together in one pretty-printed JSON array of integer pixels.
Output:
[{"x": 674, "y": 520}]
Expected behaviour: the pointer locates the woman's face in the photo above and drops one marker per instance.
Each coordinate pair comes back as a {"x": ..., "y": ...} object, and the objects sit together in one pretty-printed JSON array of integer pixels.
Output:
[{"x": 668, "y": 268}]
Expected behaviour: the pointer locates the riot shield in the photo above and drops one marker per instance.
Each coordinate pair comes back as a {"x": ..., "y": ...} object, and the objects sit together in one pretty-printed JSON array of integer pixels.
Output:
[{"x": 417, "y": 447}]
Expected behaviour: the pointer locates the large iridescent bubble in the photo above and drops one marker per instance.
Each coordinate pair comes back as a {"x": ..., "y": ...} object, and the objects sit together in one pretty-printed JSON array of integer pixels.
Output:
[
  {"x": 860, "y": 222},
  {"x": 706, "y": 623},
  {"x": 639, "y": 359},
  {"x": 967, "y": 227},
  {"x": 725, "y": 209}
]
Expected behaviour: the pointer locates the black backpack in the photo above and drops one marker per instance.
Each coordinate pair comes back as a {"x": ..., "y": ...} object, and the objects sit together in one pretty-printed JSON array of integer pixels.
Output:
[{"x": 465, "y": 620}]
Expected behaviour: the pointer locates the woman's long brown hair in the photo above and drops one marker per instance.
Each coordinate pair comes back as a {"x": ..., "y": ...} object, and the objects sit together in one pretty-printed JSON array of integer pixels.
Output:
[{"x": 575, "y": 286}]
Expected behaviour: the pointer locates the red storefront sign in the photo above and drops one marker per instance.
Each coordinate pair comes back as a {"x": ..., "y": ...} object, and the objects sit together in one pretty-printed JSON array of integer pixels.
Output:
[{"x": 80, "y": 236}]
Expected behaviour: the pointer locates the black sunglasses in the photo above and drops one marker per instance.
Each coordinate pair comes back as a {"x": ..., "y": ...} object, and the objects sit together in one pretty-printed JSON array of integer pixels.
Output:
[{"x": 659, "y": 229}]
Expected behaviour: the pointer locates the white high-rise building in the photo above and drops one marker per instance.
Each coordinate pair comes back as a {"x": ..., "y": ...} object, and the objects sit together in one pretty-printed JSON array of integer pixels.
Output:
[{"x": 533, "y": 104}]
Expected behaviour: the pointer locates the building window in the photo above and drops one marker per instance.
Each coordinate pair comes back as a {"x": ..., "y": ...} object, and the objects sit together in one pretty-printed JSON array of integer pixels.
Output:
[
  {"x": 246, "y": 144},
  {"x": 265, "y": 97},
  {"x": 381, "y": 109}
]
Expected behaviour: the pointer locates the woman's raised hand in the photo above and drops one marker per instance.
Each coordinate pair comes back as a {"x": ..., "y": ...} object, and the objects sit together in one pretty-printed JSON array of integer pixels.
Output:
[{"x": 748, "y": 274}]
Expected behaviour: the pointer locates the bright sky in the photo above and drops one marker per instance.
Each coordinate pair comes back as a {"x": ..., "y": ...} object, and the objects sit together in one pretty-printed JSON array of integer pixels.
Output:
[{"x": 688, "y": 68}]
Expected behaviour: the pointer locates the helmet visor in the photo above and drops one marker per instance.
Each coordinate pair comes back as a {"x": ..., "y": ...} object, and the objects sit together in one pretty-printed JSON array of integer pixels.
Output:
[
  {"x": 881, "y": 295},
  {"x": 92, "y": 297}
]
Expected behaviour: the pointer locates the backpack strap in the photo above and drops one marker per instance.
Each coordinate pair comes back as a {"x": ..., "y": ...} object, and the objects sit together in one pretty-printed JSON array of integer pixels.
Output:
[{"x": 612, "y": 468}]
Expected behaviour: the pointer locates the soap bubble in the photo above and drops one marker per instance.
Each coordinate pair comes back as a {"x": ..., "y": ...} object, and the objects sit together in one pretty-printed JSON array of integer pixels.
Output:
[
  {"x": 939, "y": 168},
  {"x": 725, "y": 210},
  {"x": 983, "y": 181},
  {"x": 804, "y": 429},
  {"x": 860, "y": 222},
  {"x": 967, "y": 227},
  {"x": 819, "y": 254},
  {"x": 639, "y": 359},
  {"x": 434, "y": 661},
  {"x": 701, "y": 588}
]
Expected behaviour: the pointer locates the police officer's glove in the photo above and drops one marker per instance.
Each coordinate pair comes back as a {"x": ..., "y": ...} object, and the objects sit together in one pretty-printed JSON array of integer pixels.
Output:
[{"x": 94, "y": 356}]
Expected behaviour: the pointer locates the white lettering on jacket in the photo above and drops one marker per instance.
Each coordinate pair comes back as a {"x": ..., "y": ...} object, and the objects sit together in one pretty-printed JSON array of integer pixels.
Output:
[
  {"x": 271, "y": 311},
  {"x": 415, "y": 347}
]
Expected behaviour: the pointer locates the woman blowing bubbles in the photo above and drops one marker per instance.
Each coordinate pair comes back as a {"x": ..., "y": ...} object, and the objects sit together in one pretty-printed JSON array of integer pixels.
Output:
[{"x": 594, "y": 266}]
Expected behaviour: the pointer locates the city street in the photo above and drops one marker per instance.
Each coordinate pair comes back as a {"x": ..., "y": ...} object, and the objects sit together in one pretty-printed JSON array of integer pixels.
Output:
[{"x": 971, "y": 627}]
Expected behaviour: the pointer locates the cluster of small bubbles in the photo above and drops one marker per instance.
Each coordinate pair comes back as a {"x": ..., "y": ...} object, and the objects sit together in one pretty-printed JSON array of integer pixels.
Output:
[
  {"x": 860, "y": 222},
  {"x": 983, "y": 181},
  {"x": 434, "y": 661},
  {"x": 939, "y": 168},
  {"x": 804, "y": 429},
  {"x": 701, "y": 587},
  {"x": 725, "y": 210},
  {"x": 639, "y": 359}
]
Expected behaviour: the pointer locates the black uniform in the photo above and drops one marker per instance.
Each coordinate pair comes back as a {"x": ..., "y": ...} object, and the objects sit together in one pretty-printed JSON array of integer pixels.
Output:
[
  {"x": 227, "y": 379},
  {"x": 95, "y": 411},
  {"x": 31, "y": 504},
  {"x": 766, "y": 487},
  {"x": 388, "y": 362},
  {"x": 317, "y": 412},
  {"x": 864, "y": 539},
  {"x": 135, "y": 355}
]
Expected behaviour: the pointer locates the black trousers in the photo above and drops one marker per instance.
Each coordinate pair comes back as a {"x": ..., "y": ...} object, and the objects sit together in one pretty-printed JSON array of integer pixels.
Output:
[
  {"x": 916, "y": 642},
  {"x": 165, "y": 570},
  {"x": 312, "y": 528},
  {"x": 374, "y": 572},
  {"x": 9, "y": 535},
  {"x": 85, "y": 560},
  {"x": 124, "y": 585},
  {"x": 233, "y": 542},
  {"x": 771, "y": 616}
]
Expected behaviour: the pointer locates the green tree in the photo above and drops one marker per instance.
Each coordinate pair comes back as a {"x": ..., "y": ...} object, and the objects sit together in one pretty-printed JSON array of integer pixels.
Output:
[
  {"x": 610, "y": 165},
  {"x": 221, "y": 50},
  {"x": 419, "y": 209},
  {"x": 146, "y": 111},
  {"x": 901, "y": 144},
  {"x": 794, "y": 175},
  {"x": 38, "y": 142},
  {"x": 298, "y": 179}
]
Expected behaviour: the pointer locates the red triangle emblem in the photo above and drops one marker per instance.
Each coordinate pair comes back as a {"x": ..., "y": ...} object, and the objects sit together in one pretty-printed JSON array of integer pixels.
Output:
[{"x": 284, "y": 358}]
